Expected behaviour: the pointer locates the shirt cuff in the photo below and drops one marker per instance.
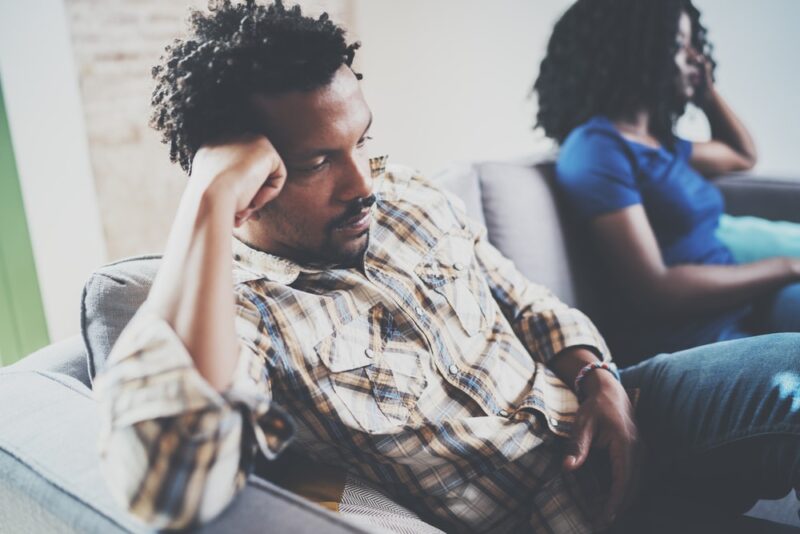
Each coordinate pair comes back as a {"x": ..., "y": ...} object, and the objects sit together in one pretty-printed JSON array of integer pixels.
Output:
[
  {"x": 150, "y": 375},
  {"x": 567, "y": 328}
]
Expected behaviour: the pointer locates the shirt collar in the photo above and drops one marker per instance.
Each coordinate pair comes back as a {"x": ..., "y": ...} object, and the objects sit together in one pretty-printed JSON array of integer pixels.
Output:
[{"x": 254, "y": 264}]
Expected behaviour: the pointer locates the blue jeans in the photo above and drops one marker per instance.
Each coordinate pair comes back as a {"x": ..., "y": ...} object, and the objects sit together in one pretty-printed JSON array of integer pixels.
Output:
[
  {"x": 721, "y": 424},
  {"x": 779, "y": 312}
]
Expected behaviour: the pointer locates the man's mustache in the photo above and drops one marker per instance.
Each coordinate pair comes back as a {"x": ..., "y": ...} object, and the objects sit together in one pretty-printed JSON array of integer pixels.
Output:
[{"x": 353, "y": 209}]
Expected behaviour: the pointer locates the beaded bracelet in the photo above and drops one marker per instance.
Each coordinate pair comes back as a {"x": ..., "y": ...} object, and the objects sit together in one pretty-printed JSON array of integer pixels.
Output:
[{"x": 608, "y": 366}]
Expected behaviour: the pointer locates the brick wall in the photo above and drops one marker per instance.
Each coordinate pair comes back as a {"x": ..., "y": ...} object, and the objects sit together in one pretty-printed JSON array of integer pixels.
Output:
[{"x": 116, "y": 42}]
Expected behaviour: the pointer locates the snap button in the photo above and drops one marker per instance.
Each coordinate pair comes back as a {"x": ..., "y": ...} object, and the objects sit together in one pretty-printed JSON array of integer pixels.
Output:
[
  {"x": 554, "y": 421},
  {"x": 369, "y": 353},
  {"x": 419, "y": 311},
  {"x": 453, "y": 369},
  {"x": 458, "y": 266},
  {"x": 502, "y": 413}
]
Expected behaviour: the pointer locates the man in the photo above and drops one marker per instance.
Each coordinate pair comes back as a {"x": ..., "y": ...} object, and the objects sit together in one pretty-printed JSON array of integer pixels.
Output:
[{"x": 400, "y": 343}]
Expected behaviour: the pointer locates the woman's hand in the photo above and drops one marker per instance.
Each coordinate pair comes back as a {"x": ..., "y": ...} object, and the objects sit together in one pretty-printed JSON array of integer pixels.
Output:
[{"x": 705, "y": 90}]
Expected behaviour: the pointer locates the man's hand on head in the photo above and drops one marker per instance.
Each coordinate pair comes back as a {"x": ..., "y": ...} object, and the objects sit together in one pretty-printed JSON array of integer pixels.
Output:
[{"x": 246, "y": 172}]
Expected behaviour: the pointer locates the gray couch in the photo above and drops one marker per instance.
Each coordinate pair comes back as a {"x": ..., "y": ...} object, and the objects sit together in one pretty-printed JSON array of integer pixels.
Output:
[{"x": 49, "y": 475}]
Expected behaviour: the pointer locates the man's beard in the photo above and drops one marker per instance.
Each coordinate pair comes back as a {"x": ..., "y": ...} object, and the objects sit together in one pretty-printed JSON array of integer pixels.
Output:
[
  {"x": 329, "y": 254},
  {"x": 333, "y": 257},
  {"x": 341, "y": 257}
]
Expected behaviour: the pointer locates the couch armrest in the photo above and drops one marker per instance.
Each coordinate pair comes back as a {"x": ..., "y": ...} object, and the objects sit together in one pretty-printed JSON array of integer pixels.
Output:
[
  {"x": 50, "y": 480},
  {"x": 771, "y": 198},
  {"x": 67, "y": 357}
]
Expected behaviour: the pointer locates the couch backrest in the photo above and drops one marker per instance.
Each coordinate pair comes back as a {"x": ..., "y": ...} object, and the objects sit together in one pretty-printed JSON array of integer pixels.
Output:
[
  {"x": 111, "y": 296},
  {"x": 524, "y": 218}
]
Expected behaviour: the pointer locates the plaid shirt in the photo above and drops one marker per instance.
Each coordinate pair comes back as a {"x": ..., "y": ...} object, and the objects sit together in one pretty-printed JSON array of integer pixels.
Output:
[{"x": 426, "y": 374}]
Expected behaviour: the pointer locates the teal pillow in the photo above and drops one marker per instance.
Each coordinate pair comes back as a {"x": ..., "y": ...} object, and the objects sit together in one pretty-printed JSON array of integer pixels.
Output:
[{"x": 752, "y": 238}]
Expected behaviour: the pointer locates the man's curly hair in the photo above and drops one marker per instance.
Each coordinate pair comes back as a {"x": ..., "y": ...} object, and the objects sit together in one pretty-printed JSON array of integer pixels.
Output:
[
  {"x": 614, "y": 58},
  {"x": 233, "y": 51}
]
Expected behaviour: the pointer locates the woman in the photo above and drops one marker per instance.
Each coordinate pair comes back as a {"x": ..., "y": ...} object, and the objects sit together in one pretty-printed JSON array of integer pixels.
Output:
[{"x": 617, "y": 75}]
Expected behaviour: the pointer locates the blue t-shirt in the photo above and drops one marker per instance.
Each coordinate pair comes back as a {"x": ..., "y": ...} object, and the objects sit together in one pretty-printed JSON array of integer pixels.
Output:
[{"x": 600, "y": 172}]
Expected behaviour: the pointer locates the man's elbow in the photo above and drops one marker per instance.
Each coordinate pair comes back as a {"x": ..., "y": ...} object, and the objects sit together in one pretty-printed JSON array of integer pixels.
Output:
[
  {"x": 162, "y": 507},
  {"x": 169, "y": 491}
]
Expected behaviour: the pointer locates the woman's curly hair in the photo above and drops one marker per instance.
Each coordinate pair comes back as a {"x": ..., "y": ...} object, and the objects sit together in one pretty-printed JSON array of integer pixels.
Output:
[
  {"x": 613, "y": 58},
  {"x": 204, "y": 81}
]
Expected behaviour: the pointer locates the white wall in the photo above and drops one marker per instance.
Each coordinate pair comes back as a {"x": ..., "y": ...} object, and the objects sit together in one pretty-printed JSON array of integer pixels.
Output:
[
  {"x": 756, "y": 45},
  {"x": 46, "y": 122},
  {"x": 449, "y": 79}
]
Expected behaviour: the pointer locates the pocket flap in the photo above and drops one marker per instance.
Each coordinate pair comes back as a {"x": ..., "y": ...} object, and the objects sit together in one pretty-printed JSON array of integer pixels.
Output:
[
  {"x": 450, "y": 260},
  {"x": 351, "y": 346}
]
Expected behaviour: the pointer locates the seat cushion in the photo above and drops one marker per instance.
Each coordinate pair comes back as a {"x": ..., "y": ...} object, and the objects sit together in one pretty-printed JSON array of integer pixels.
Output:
[
  {"x": 111, "y": 296},
  {"x": 50, "y": 477},
  {"x": 67, "y": 357}
]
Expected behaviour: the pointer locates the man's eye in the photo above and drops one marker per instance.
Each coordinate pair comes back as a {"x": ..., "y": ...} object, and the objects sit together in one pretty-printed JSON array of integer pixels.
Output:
[
  {"x": 308, "y": 169},
  {"x": 363, "y": 141}
]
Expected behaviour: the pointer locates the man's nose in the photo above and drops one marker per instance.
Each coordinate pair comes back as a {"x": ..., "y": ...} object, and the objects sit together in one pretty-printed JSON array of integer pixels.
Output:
[{"x": 356, "y": 181}]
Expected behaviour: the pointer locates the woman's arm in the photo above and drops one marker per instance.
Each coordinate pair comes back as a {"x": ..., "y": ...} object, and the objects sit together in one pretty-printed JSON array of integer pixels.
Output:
[
  {"x": 731, "y": 147},
  {"x": 632, "y": 253}
]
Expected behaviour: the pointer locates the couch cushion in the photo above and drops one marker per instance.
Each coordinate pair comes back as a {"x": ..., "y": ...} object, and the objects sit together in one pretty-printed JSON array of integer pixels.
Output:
[
  {"x": 524, "y": 223},
  {"x": 67, "y": 357},
  {"x": 50, "y": 477},
  {"x": 775, "y": 199},
  {"x": 111, "y": 296},
  {"x": 462, "y": 179}
]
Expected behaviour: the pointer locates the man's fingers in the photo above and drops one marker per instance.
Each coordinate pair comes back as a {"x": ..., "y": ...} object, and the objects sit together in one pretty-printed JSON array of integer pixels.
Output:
[
  {"x": 622, "y": 466},
  {"x": 271, "y": 187},
  {"x": 579, "y": 444},
  {"x": 637, "y": 465}
]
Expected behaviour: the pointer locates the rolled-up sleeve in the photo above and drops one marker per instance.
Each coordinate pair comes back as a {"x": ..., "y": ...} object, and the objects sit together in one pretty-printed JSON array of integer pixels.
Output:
[{"x": 173, "y": 450}]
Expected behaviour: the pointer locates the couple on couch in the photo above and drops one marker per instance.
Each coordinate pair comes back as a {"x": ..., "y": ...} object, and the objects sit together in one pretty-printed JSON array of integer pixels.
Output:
[{"x": 367, "y": 320}]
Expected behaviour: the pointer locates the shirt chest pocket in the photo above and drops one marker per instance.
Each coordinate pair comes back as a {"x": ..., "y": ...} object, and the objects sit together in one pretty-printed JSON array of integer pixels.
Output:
[
  {"x": 450, "y": 270},
  {"x": 375, "y": 380}
]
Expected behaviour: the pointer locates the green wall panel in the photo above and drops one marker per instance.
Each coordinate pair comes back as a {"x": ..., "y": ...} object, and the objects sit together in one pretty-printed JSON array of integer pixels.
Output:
[{"x": 22, "y": 322}]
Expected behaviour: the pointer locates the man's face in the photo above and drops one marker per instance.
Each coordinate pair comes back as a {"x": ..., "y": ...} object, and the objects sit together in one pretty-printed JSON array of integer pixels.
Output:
[{"x": 322, "y": 215}]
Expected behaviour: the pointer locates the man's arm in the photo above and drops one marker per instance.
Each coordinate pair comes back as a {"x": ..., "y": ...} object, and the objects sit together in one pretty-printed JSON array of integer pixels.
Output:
[
  {"x": 565, "y": 340},
  {"x": 182, "y": 411},
  {"x": 193, "y": 291}
]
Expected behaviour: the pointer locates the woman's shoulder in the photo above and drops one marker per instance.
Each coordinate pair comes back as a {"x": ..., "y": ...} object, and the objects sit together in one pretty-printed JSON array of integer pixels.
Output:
[
  {"x": 593, "y": 144},
  {"x": 597, "y": 129}
]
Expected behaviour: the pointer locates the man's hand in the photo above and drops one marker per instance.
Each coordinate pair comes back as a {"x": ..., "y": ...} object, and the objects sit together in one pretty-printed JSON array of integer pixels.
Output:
[
  {"x": 248, "y": 172},
  {"x": 605, "y": 421}
]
